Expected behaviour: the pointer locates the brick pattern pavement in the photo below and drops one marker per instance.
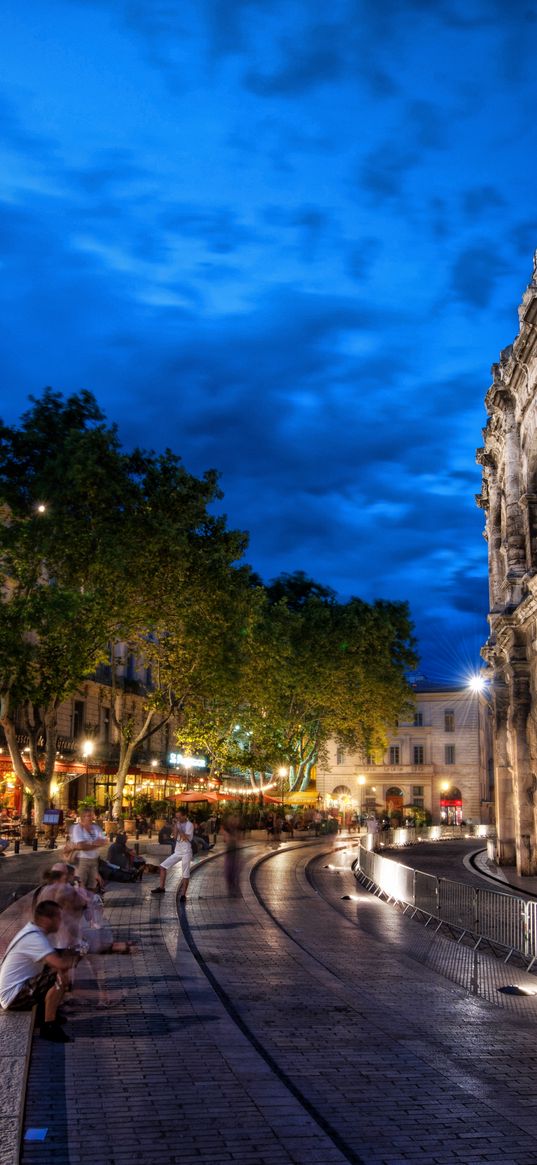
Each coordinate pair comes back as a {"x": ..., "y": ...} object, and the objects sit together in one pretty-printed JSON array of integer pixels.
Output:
[
  {"x": 401, "y": 1064},
  {"x": 164, "y": 1074}
]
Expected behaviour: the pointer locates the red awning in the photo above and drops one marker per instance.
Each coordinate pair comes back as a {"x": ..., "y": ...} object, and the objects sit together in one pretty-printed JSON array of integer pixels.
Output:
[{"x": 201, "y": 796}]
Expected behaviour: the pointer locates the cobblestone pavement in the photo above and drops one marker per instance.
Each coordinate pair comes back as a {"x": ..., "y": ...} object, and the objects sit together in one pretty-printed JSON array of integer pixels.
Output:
[{"x": 290, "y": 1024}]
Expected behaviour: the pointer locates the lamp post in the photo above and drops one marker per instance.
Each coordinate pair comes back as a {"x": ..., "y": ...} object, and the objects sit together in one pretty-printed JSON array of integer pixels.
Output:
[
  {"x": 282, "y": 773},
  {"x": 87, "y": 751},
  {"x": 481, "y": 686},
  {"x": 361, "y": 782}
]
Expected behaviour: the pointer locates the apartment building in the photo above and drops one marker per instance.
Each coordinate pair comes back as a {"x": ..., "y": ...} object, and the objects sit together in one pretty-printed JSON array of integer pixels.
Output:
[{"x": 438, "y": 760}]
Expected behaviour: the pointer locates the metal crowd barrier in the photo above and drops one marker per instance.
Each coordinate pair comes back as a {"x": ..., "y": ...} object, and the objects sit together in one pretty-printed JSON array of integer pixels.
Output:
[{"x": 502, "y": 920}]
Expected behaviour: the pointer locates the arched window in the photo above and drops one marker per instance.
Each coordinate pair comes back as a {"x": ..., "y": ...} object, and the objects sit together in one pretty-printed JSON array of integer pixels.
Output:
[{"x": 394, "y": 803}]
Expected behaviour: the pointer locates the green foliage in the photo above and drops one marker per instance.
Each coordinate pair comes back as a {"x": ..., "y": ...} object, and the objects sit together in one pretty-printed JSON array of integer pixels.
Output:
[
  {"x": 87, "y": 803},
  {"x": 99, "y": 548},
  {"x": 309, "y": 668},
  {"x": 105, "y": 554},
  {"x": 163, "y": 808}
]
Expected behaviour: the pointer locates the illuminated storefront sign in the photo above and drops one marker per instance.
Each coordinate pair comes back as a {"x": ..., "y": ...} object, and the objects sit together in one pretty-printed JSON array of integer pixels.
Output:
[{"x": 188, "y": 762}]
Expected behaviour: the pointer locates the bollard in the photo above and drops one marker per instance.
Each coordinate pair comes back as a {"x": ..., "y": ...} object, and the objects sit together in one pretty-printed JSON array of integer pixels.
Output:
[
  {"x": 34, "y": 844},
  {"x": 17, "y": 846},
  {"x": 136, "y": 848},
  {"x": 137, "y": 835}
]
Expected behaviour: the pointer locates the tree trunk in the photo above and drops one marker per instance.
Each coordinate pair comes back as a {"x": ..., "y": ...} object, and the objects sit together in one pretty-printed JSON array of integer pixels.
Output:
[
  {"x": 41, "y": 800},
  {"x": 125, "y": 758}
]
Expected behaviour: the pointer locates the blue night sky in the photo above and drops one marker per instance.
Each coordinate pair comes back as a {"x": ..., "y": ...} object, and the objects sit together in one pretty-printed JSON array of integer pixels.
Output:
[{"x": 288, "y": 240}]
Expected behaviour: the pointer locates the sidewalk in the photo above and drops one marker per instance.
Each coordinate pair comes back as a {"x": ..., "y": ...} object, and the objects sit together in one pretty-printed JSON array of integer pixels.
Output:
[{"x": 233, "y": 1041}]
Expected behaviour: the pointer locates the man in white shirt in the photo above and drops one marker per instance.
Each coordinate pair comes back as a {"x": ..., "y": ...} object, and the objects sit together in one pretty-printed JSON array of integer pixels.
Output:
[
  {"x": 34, "y": 972},
  {"x": 183, "y": 832},
  {"x": 88, "y": 838}
]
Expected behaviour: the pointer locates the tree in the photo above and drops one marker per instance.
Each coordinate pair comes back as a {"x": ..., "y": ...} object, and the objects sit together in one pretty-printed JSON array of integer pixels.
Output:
[
  {"x": 101, "y": 552},
  {"x": 311, "y": 668},
  {"x": 62, "y": 497},
  {"x": 186, "y": 584},
  {"x": 342, "y": 673}
]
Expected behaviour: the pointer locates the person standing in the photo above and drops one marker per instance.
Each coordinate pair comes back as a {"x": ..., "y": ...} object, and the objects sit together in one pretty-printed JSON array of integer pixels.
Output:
[
  {"x": 88, "y": 838},
  {"x": 183, "y": 832}
]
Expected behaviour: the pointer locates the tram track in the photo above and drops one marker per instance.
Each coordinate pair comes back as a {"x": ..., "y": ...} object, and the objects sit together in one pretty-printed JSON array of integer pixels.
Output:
[{"x": 313, "y": 1111}]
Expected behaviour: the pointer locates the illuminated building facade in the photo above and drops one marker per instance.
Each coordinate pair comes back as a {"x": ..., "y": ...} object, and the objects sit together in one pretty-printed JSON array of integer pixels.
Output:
[
  {"x": 509, "y": 500},
  {"x": 88, "y": 745},
  {"x": 437, "y": 762}
]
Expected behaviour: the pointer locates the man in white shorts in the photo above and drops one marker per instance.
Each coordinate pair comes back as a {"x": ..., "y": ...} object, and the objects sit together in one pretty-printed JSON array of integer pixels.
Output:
[{"x": 183, "y": 832}]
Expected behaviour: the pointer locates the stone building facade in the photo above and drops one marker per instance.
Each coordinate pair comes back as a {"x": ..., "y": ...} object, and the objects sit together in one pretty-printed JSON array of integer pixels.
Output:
[
  {"x": 509, "y": 500},
  {"x": 436, "y": 761},
  {"x": 87, "y": 719}
]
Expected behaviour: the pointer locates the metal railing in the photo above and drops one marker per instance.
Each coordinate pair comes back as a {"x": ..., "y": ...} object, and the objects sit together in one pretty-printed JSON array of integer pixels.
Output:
[
  {"x": 409, "y": 835},
  {"x": 502, "y": 920}
]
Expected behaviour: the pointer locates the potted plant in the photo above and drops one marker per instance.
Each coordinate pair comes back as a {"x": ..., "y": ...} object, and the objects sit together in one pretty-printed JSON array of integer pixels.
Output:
[
  {"x": 27, "y": 825},
  {"x": 87, "y": 803},
  {"x": 129, "y": 824},
  {"x": 162, "y": 810}
]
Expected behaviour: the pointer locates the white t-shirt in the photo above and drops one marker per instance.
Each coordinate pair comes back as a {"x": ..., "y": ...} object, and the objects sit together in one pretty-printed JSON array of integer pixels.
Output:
[
  {"x": 23, "y": 959},
  {"x": 80, "y": 833},
  {"x": 188, "y": 828}
]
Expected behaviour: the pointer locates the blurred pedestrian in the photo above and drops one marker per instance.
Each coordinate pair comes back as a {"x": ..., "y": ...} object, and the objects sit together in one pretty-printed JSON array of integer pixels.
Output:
[
  {"x": 88, "y": 838},
  {"x": 231, "y": 832},
  {"x": 34, "y": 972}
]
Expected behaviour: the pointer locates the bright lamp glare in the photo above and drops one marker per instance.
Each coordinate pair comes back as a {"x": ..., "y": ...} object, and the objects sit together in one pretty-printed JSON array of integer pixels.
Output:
[{"x": 477, "y": 684}]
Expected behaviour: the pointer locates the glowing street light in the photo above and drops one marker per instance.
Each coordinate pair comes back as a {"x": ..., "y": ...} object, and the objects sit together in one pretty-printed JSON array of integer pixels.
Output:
[{"x": 87, "y": 751}]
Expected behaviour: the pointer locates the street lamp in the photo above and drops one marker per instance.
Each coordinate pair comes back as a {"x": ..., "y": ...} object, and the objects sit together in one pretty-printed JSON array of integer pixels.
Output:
[
  {"x": 282, "y": 773},
  {"x": 481, "y": 685},
  {"x": 87, "y": 751},
  {"x": 361, "y": 782}
]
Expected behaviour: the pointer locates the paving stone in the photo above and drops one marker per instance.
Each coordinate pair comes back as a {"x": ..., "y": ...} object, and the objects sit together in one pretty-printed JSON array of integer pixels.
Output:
[{"x": 400, "y": 1064}]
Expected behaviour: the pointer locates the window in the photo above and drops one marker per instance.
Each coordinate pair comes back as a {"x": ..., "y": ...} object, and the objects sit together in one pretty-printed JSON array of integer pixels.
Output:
[
  {"x": 449, "y": 754},
  {"x": 340, "y": 756},
  {"x": 394, "y": 754},
  {"x": 105, "y": 725},
  {"x": 417, "y": 791},
  {"x": 449, "y": 721},
  {"x": 79, "y": 718},
  {"x": 418, "y": 719},
  {"x": 418, "y": 754}
]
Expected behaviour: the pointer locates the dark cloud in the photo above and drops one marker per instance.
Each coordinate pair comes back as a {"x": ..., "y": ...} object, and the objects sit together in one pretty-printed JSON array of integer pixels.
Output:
[
  {"x": 475, "y": 274},
  {"x": 110, "y": 170},
  {"x": 303, "y": 63},
  {"x": 384, "y": 172},
  {"x": 190, "y": 248},
  {"x": 218, "y": 227}
]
